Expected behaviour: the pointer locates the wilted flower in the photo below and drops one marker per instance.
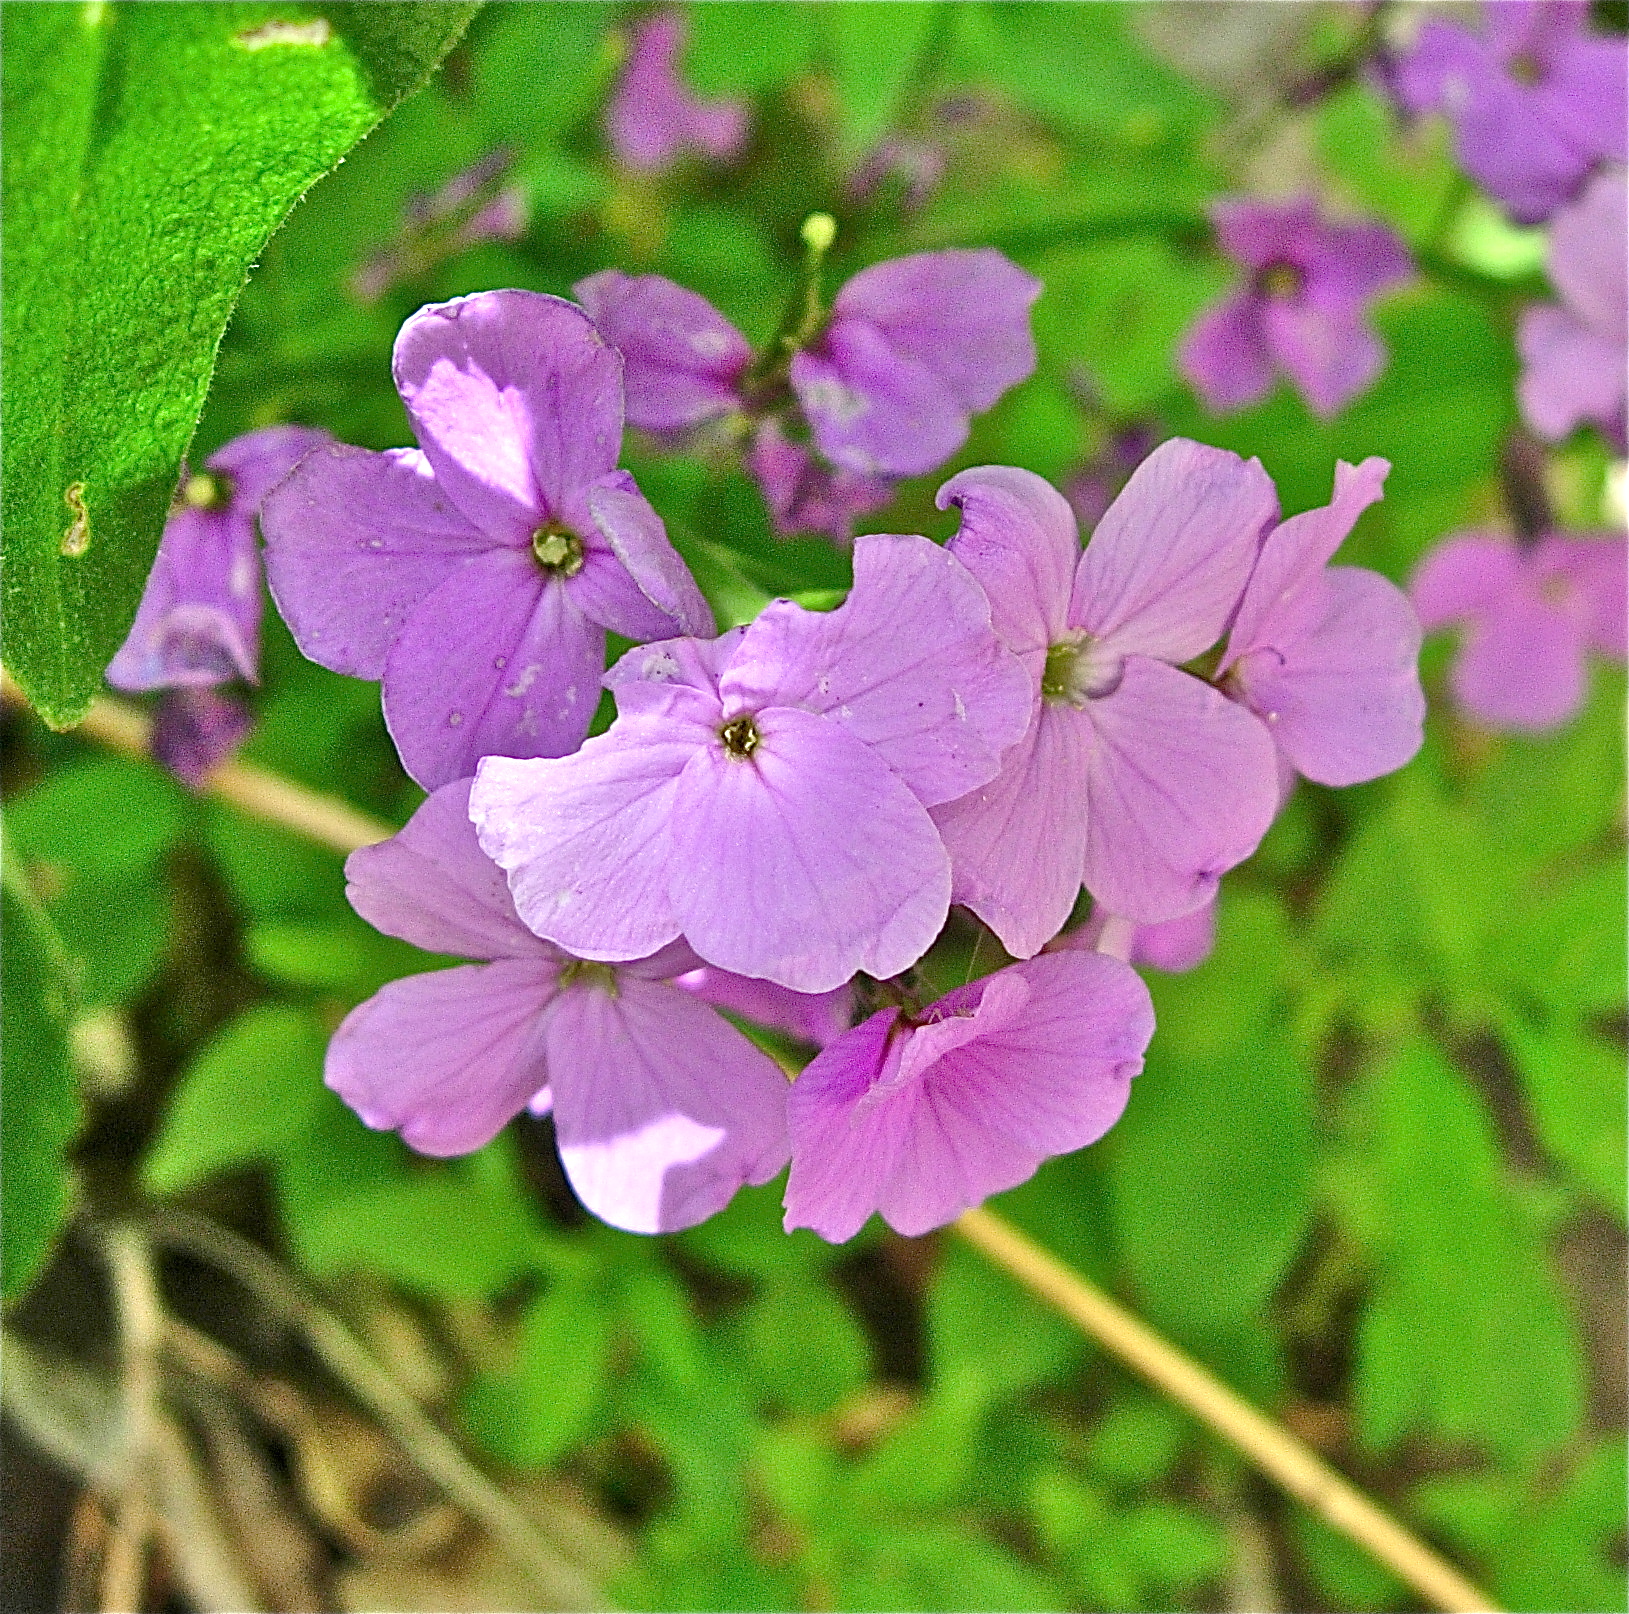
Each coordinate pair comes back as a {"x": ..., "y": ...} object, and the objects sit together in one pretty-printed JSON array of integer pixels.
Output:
[
  {"x": 477, "y": 574},
  {"x": 1529, "y": 618},
  {"x": 1304, "y": 309},
  {"x": 653, "y": 118}
]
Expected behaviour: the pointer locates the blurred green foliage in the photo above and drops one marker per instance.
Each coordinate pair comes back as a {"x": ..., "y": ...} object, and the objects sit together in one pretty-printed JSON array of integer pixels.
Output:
[{"x": 1371, "y": 1126}]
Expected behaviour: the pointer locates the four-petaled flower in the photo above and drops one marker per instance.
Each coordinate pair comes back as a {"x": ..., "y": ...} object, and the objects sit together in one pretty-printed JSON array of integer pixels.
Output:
[{"x": 478, "y": 573}]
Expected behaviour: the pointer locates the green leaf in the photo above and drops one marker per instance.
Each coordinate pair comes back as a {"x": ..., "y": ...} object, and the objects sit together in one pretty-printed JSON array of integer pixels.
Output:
[
  {"x": 248, "y": 1095},
  {"x": 874, "y": 51},
  {"x": 41, "y": 1109},
  {"x": 804, "y": 1350},
  {"x": 150, "y": 151}
]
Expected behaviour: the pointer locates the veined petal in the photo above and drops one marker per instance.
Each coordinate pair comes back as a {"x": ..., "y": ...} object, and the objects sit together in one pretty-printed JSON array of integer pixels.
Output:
[
  {"x": 1019, "y": 540},
  {"x": 817, "y": 1017},
  {"x": 666, "y": 589},
  {"x": 517, "y": 401},
  {"x": 909, "y": 664},
  {"x": 1181, "y": 785},
  {"x": 447, "y": 1059},
  {"x": 1170, "y": 558},
  {"x": 585, "y": 839},
  {"x": 1018, "y": 844},
  {"x": 661, "y": 1108},
  {"x": 354, "y": 540},
  {"x": 498, "y": 661},
  {"x": 432, "y": 885},
  {"x": 805, "y": 861}
]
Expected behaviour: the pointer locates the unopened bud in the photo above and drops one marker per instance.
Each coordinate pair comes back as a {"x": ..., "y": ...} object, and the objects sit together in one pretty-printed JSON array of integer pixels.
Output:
[{"x": 818, "y": 232}]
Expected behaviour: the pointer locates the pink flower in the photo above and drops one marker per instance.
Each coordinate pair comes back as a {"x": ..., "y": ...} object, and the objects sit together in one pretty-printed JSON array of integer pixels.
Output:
[{"x": 653, "y": 118}]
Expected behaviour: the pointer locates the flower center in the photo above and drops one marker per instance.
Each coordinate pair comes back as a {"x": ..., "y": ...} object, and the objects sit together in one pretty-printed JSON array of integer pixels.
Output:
[
  {"x": 207, "y": 490},
  {"x": 590, "y": 974},
  {"x": 740, "y": 736},
  {"x": 1281, "y": 278},
  {"x": 1077, "y": 670},
  {"x": 1526, "y": 68},
  {"x": 559, "y": 552}
]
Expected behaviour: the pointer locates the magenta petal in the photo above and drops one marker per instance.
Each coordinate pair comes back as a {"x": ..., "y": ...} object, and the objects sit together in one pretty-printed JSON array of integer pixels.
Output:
[
  {"x": 1181, "y": 786},
  {"x": 497, "y": 662},
  {"x": 682, "y": 360},
  {"x": 1177, "y": 945},
  {"x": 1522, "y": 665},
  {"x": 517, "y": 401},
  {"x": 1462, "y": 577},
  {"x": 806, "y": 493},
  {"x": 1019, "y": 539},
  {"x": 585, "y": 838},
  {"x": 1224, "y": 355},
  {"x": 354, "y": 541},
  {"x": 817, "y": 1017},
  {"x": 1329, "y": 352},
  {"x": 938, "y": 703},
  {"x": 1597, "y": 570},
  {"x": 446, "y": 1059},
  {"x": 805, "y": 862},
  {"x": 432, "y": 885},
  {"x": 1338, "y": 681},
  {"x": 1170, "y": 558},
  {"x": 1018, "y": 844},
  {"x": 661, "y": 1108},
  {"x": 636, "y": 535}
]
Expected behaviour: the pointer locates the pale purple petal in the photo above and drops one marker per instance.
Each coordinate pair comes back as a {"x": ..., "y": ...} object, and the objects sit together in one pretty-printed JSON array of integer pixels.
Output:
[
  {"x": 516, "y": 400},
  {"x": 447, "y": 1059},
  {"x": 1225, "y": 357},
  {"x": 585, "y": 839},
  {"x": 1019, "y": 540},
  {"x": 195, "y": 730},
  {"x": 1463, "y": 577},
  {"x": 1177, "y": 945},
  {"x": 498, "y": 661},
  {"x": 432, "y": 885},
  {"x": 1330, "y": 353},
  {"x": 1297, "y": 550},
  {"x": 908, "y": 663},
  {"x": 1169, "y": 561},
  {"x": 1570, "y": 373},
  {"x": 1521, "y": 666},
  {"x": 1336, "y": 679},
  {"x": 653, "y": 117},
  {"x": 1350, "y": 262},
  {"x": 682, "y": 360},
  {"x": 1256, "y": 232},
  {"x": 636, "y": 535},
  {"x": 806, "y": 861},
  {"x": 1018, "y": 844},
  {"x": 817, "y": 1017},
  {"x": 1181, "y": 786},
  {"x": 676, "y": 675},
  {"x": 662, "y": 1110},
  {"x": 1033, "y": 1061},
  {"x": 1595, "y": 569},
  {"x": 354, "y": 541},
  {"x": 1588, "y": 262},
  {"x": 806, "y": 494}
]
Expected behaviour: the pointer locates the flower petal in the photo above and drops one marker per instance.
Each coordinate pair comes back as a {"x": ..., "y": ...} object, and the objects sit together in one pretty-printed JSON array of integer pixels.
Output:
[
  {"x": 1521, "y": 665},
  {"x": 517, "y": 401},
  {"x": 1018, "y": 844},
  {"x": 1019, "y": 540},
  {"x": 668, "y": 592},
  {"x": 909, "y": 664},
  {"x": 1224, "y": 355},
  {"x": 1182, "y": 785},
  {"x": 807, "y": 860},
  {"x": 1329, "y": 352},
  {"x": 447, "y": 1059},
  {"x": 662, "y": 1109},
  {"x": 585, "y": 838},
  {"x": 1463, "y": 577},
  {"x": 1170, "y": 558},
  {"x": 817, "y": 1017},
  {"x": 1570, "y": 373},
  {"x": 498, "y": 661},
  {"x": 354, "y": 540},
  {"x": 432, "y": 885}
]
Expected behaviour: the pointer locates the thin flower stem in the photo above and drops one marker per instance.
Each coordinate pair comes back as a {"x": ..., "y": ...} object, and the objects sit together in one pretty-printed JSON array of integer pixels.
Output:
[{"x": 1268, "y": 1445}]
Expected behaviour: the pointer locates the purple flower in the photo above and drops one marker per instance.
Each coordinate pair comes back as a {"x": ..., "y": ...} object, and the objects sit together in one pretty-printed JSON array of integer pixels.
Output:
[
  {"x": 1133, "y": 778},
  {"x": 1303, "y": 309},
  {"x": 1173, "y": 946},
  {"x": 1094, "y": 487},
  {"x": 766, "y": 793},
  {"x": 195, "y": 730},
  {"x": 199, "y": 618},
  {"x": 1575, "y": 356},
  {"x": 921, "y": 1119},
  {"x": 817, "y": 1017},
  {"x": 653, "y": 118},
  {"x": 661, "y": 1108},
  {"x": 1536, "y": 101},
  {"x": 804, "y": 493},
  {"x": 477, "y": 574},
  {"x": 913, "y": 349},
  {"x": 1328, "y": 656},
  {"x": 683, "y": 362},
  {"x": 1530, "y": 616},
  {"x": 919, "y": 165}
]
